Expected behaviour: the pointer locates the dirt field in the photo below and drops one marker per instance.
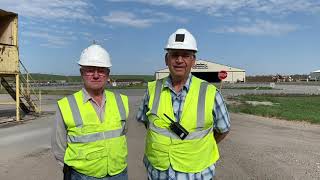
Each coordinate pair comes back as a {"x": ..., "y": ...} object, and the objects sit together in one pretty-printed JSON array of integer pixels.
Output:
[{"x": 256, "y": 148}]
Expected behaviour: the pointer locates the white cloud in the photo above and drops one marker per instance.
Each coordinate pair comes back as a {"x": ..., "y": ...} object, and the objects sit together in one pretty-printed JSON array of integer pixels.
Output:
[
  {"x": 126, "y": 18},
  {"x": 59, "y": 38},
  {"x": 288, "y": 6},
  {"x": 86, "y": 34},
  {"x": 50, "y": 40},
  {"x": 218, "y": 7},
  {"x": 165, "y": 17},
  {"x": 260, "y": 28},
  {"x": 50, "y": 9},
  {"x": 131, "y": 19}
]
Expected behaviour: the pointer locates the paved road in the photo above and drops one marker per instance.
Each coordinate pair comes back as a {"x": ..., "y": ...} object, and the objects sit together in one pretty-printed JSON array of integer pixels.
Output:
[
  {"x": 25, "y": 148},
  {"x": 256, "y": 148}
]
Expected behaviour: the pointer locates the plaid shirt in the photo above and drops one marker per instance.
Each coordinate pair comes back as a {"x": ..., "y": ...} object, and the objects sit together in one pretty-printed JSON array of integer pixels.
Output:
[{"x": 221, "y": 125}]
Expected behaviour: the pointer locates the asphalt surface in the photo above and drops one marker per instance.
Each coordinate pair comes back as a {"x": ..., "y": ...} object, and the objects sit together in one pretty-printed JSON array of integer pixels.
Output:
[{"x": 256, "y": 148}]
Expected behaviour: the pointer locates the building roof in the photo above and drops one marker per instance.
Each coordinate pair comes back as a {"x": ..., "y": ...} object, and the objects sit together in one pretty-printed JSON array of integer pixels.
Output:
[
  {"x": 6, "y": 13},
  {"x": 317, "y": 71},
  {"x": 207, "y": 66}
]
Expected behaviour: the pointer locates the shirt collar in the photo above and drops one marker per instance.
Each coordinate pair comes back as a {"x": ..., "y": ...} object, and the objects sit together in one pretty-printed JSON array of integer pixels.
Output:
[
  {"x": 168, "y": 83},
  {"x": 87, "y": 97}
]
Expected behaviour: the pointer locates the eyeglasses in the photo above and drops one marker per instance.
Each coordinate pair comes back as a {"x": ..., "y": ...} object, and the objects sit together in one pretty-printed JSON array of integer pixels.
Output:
[
  {"x": 183, "y": 55},
  {"x": 91, "y": 71}
]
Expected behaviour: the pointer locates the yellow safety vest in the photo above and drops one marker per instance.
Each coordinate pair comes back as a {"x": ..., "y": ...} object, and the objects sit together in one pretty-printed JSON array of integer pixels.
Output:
[
  {"x": 164, "y": 148},
  {"x": 95, "y": 148}
]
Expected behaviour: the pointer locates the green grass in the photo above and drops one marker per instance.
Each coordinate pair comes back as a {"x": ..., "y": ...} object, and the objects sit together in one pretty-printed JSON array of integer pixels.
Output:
[
  {"x": 58, "y": 92},
  {"x": 250, "y": 88},
  {"x": 289, "y": 107},
  {"x": 128, "y": 87},
  {"x": 145, "y": 78},
  {"x": 51, "y": 77}
]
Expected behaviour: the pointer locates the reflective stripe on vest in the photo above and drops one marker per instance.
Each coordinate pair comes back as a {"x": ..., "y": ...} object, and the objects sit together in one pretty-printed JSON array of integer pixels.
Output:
[
  {"x": 96, "y": 136},
  {"x": 200, "y": 114}
]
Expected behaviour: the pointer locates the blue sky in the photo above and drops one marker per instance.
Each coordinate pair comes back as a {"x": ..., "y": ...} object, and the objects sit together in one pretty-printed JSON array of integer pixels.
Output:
[{"x": 261, "y": 36}]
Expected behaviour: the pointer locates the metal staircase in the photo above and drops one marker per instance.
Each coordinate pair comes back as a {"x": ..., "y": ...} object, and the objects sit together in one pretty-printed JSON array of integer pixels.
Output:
[
  {"x": 29, "y": 97},
  {"x": 12, "y": 93}
]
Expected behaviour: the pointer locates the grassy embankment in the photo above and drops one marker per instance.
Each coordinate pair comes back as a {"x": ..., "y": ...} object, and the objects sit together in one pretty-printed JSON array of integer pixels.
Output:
[{"x": 289, "y": 107}]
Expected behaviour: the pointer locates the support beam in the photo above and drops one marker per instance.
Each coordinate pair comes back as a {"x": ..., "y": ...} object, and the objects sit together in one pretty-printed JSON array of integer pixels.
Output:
[{"x": 17, "y": 98}]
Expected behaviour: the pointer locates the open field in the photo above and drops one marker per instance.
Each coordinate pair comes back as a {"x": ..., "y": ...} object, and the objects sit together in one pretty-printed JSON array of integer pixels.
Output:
[{"x": 289, "y": 107}]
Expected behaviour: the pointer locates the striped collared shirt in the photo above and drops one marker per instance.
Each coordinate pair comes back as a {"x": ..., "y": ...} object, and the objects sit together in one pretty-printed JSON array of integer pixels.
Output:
[{"x": 221, "y": 125}]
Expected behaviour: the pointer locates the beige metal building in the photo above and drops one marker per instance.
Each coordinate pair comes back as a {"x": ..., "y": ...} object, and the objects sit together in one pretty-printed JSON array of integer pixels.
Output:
[
  {"x": 9, "y": 62},
  {"x": 315, "y": 75},
  {"x": 209, "y": 71},
  {"x": 14, "y": 78}
]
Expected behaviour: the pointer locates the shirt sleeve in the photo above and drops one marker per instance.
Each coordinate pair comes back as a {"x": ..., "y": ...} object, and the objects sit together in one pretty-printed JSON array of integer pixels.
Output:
[
  {"x": 143, "y": 109},
  {"x": 59, "y": 138},
  {"x": 220, "y": 114}
]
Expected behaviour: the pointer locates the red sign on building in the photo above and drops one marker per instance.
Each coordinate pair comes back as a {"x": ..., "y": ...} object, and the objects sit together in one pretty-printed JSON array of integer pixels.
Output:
[{"x": 222, "y": 75}]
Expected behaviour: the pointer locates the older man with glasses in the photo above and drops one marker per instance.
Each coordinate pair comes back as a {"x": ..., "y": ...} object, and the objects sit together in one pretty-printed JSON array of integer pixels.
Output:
[
  {"x": 185, "y": 118},
  {"x": 89, "y": 134}
]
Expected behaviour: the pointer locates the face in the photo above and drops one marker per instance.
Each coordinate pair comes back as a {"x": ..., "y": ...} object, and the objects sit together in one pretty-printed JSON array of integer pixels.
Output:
[
  {"x": 94, "y": 78},
  {"x": 180, "y": 63}
]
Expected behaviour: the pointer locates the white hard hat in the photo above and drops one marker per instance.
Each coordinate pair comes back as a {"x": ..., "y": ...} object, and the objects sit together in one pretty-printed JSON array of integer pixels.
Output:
[
  {"x": 182, "y": 39},
  {"x": 95, "y": 55}
]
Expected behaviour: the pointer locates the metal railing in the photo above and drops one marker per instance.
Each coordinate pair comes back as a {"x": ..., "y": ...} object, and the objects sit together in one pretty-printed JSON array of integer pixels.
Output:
[{"x": 29, "y": 89}]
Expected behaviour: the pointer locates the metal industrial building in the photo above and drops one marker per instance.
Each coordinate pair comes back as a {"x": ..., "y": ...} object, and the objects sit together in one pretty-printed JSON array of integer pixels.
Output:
[
  {"x": 209, "y": 71},
  {"x": 315, "y": 75}
]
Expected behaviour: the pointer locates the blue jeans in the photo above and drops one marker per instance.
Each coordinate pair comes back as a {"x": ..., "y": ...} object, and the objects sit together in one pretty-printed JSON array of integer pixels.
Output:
[{"x": 78, "y": 176}]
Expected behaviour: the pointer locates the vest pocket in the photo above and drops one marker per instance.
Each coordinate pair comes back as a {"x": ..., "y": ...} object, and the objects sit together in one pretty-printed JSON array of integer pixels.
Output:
[
  {"x": 97, "y": 154},
  {"x": 88, "y": 152},
  {"x": 160, "y": 147}
]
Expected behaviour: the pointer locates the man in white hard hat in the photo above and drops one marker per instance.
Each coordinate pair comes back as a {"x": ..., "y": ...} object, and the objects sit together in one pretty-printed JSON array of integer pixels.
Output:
[
  {"x": 185, "y": 116},
  {"x": 89, "y": 134}
]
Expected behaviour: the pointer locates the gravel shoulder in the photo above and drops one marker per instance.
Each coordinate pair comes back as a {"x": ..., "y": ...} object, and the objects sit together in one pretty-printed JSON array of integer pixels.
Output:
[{"x": 265, "y": 148}]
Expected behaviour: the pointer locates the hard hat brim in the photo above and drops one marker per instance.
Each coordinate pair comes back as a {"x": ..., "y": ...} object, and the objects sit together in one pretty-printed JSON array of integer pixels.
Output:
[{"x": 180, "y": 49}]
